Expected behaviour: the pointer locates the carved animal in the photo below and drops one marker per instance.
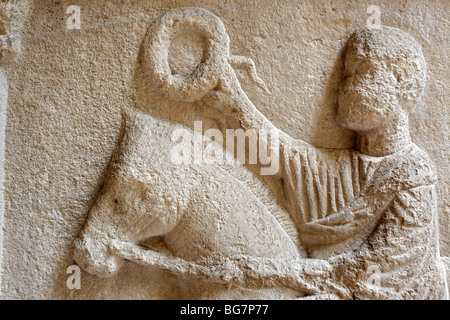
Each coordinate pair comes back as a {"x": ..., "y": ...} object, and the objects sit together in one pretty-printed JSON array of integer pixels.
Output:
[{"x": 203, "y": 213}]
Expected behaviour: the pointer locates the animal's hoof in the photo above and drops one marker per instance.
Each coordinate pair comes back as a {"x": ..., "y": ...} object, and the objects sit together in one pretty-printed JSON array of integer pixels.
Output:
[{"x": 95, "y": 258}]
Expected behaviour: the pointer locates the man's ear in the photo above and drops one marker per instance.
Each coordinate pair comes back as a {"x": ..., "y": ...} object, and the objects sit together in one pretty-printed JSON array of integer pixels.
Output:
[{"x": 409, "y": 94}]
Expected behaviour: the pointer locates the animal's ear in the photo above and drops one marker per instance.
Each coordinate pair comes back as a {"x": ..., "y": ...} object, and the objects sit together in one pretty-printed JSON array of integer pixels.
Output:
[{"x": 249, "y": 65}]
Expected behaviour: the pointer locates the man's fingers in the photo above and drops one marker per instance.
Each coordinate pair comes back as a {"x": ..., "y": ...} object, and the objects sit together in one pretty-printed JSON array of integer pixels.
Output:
[{"x": 215, "y": 99}]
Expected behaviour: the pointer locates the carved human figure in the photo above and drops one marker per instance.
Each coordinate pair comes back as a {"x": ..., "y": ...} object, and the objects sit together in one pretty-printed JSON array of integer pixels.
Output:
[{"x": 370, "y": 211}]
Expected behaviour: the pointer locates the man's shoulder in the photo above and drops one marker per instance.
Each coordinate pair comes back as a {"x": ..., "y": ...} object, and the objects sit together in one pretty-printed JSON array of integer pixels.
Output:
[
  {"x": 407, "y": 169},
  {"x": 419, "y": 165}
]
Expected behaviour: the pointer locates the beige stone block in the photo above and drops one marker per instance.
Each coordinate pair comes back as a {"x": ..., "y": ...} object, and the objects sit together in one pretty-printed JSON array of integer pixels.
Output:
[{"x": 91, "y": 98}]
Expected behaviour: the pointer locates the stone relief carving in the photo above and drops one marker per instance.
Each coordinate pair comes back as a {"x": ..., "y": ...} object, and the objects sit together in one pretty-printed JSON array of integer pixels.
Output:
[{"x": 351, "y": 224}]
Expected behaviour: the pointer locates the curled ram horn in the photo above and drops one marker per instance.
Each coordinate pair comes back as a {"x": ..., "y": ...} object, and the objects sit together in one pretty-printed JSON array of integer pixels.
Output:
[{"x": 207, "y": 74}]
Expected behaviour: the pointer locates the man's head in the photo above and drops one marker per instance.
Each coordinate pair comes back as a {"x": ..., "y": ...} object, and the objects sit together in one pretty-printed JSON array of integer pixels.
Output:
[{"x": 385, "y": 74}]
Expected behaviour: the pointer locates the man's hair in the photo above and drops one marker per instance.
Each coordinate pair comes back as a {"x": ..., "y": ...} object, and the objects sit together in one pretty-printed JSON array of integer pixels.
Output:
[{"x": 396, "y": 50}]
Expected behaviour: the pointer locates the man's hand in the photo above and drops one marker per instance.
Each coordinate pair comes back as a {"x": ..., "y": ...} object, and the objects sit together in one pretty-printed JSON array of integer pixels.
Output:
[{"x": 310, "y": 276}]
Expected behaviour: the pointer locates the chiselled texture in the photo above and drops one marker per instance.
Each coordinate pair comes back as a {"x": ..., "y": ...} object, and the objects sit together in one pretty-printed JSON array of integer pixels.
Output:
[{"x": 89, "y": 179}]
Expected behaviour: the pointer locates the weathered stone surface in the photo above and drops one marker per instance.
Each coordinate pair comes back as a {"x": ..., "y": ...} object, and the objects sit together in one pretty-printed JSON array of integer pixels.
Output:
[{"x": 79, "y": 98}]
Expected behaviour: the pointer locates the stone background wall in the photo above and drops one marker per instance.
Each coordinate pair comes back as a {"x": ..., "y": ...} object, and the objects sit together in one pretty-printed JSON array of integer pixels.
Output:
[{"x": 68, "y": 88}]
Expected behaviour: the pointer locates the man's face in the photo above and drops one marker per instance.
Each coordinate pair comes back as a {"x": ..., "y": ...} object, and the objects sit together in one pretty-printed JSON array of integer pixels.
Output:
[{"x": 368, "y": 95}]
